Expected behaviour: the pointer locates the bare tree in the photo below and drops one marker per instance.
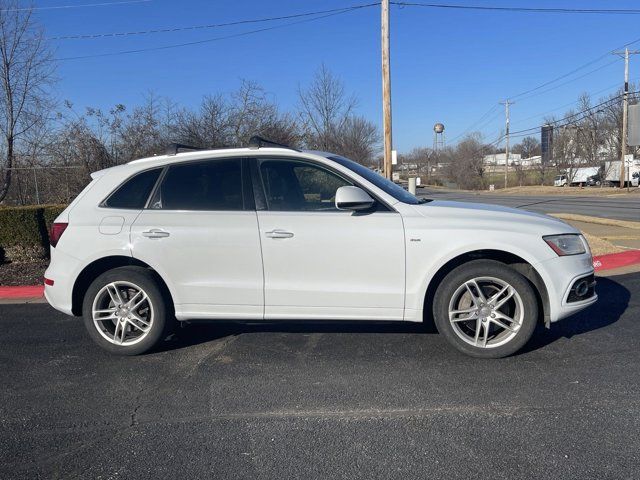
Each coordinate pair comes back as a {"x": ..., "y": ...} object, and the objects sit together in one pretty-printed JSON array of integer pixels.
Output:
[
  {"x": 325, "y": 107},
  {"x": 591, "y": 132},
  {"x": 146, "y": 129},
  {"x": 329, "y": 123},
  {"x": 541, "y": 169},
  {"x": 209, "y": 127},
  {"x": 358, "y": 140},
  {"x": 26, "y": 73},
  {"x": 521, "y": 173},
  {"x": 253, "y": 113},
  {"x": 423, "y": 158},
  {"x": 466, "y": 163},
  {"x": 529, "y": 147}
]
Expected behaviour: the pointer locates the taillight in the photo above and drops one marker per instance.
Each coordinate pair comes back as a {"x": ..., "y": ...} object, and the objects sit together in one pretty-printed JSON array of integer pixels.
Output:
[{"x": 57, "y": 229}]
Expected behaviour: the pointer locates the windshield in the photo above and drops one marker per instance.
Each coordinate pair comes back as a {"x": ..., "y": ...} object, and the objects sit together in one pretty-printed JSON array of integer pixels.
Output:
[{"x": 396, "y": 191}]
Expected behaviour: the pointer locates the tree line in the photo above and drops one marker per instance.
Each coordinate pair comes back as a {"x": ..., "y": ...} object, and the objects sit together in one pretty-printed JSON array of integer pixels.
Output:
[{"x": 49, "y": 148}]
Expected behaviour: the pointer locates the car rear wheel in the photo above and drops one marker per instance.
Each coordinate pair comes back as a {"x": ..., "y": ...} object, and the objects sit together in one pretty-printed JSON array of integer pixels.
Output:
[
  {"x": 486, "y": 309},
  {"x": 125, "y": 311}
]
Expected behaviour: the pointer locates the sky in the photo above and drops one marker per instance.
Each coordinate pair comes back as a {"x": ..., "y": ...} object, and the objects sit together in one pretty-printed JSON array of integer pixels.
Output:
[{"x": 447, "y": 65}]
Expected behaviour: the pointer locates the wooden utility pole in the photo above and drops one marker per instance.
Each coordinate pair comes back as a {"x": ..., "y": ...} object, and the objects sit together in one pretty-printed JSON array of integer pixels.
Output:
[
  {"x": 386, "y": 89},
  {"x": 506, "y": 104},
  {"x": 625, "y": 113}
]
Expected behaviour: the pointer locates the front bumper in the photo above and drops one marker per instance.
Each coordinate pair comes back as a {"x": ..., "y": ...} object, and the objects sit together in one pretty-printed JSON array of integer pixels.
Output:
[{"x": 560, "y": 275}]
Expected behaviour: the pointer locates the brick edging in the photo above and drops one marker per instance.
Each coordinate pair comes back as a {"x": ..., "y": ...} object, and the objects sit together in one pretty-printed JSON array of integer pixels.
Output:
[
  {"x": 25, "y": 291},
  {"x": 611, "y": 261}
]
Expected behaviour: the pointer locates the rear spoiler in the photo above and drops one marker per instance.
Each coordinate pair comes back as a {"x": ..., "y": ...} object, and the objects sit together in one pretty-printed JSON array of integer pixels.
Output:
[{"x": 99, "y": 173}]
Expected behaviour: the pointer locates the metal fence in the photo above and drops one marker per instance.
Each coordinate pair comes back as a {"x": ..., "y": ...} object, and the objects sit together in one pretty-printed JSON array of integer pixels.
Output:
[{"x": 45, "y": 184}]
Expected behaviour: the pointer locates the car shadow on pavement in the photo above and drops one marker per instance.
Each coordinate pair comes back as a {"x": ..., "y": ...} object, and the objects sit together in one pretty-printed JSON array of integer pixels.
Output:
[
  {"x": 196, "y": 332},
  {"x": 613, "y": 301}
]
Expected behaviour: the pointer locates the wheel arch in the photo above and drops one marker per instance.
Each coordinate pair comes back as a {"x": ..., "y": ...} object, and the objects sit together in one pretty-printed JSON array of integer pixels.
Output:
[
  {"x": 516, "y": 262},
  {"x": 90, "y": 272}
]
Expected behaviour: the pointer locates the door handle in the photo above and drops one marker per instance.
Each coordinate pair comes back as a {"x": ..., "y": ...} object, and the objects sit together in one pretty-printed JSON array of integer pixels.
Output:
[
  {"x": 279, "y": 234},
  {"x": 155, "y": 233}
]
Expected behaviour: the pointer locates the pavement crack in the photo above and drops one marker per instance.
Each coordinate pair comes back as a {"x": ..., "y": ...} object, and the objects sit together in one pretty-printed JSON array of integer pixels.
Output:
[{"x": 138, "y": 404}]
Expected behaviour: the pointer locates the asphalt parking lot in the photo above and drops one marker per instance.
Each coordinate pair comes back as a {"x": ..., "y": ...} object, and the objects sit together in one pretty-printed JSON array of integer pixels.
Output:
[{"x": 323, "y": 401}]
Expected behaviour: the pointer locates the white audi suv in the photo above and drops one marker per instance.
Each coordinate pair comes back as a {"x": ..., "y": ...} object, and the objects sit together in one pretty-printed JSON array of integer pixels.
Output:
[{"x": 270, "y": 233}]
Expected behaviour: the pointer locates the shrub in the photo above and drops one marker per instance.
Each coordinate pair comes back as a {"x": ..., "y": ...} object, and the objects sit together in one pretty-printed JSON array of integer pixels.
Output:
[{"x": 24, "y": 230}]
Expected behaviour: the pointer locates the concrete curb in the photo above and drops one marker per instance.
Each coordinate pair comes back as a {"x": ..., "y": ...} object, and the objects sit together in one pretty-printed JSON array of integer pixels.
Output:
[{"x": 601, "y": 263}]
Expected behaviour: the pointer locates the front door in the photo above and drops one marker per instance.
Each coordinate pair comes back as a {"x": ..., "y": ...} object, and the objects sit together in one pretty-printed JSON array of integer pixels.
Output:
[{"x": 320, "y": 262}]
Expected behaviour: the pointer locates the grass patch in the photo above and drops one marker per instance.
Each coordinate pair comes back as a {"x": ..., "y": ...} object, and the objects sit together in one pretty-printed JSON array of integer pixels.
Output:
[{"x": 597, "y": 220}]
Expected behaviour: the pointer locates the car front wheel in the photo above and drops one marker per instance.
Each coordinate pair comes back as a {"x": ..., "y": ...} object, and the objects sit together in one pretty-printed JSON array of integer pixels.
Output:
[
  {"x": 125, "y": 311},
  {"x": 486, "y": 309}
]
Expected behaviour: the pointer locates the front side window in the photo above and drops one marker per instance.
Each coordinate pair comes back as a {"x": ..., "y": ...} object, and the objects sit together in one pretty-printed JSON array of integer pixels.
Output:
[
  {"x": 134, "y": 192},
  {"x": 299, "y": 186},
  {"x": 208, "y": 185}
]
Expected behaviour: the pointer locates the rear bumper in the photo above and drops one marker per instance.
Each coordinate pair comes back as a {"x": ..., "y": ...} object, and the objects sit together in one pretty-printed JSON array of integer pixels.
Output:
[{"x": 63, "y": 271}]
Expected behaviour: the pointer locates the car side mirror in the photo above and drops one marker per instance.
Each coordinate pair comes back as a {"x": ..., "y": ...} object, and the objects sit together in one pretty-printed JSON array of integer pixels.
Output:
[{"x": 353, "y": 198}]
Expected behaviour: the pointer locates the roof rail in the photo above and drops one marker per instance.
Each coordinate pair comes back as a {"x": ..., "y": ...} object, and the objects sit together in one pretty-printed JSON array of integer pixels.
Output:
[
  {"x": 174, "y": 148},
  {"x": 257, "y": 142}
]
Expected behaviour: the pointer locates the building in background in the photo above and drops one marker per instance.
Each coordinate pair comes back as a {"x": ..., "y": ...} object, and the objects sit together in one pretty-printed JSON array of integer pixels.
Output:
[
  {"x": 498, "y": 159},
  {"x": 546, "y": 144}
]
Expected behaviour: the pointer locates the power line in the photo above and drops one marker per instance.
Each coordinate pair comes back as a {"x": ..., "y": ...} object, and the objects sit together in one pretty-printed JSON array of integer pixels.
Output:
[
  {"x": 209, "y": 26},
  {"x": 608, "y": 64},
  {"x": 489, "y": 112},
  {"x": 596, "y": 11},
  {"x": 63, "y": 7},
  {"x": 533, "y": 116},
  {"x": 550, "y": 82},
  {"x": 616, "y": 85},
  {"x": 575, "y": 70},
  {"x": 583, "y": 114},
  {"x": 215, "y": 39},
  {"x": 553, "y": 88}
]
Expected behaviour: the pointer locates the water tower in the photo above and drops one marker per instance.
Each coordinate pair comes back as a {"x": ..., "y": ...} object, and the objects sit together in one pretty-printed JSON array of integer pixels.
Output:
[{"x": 439, "y": 141}]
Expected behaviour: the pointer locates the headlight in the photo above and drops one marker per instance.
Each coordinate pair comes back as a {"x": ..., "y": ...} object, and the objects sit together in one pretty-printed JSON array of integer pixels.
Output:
[{"x": 568, "y": 244}]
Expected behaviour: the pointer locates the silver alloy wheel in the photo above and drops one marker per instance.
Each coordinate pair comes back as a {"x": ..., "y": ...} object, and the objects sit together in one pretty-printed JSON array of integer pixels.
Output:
[
  {"x": 486, "y": 312},
  {"x": 122, "y": 313}
]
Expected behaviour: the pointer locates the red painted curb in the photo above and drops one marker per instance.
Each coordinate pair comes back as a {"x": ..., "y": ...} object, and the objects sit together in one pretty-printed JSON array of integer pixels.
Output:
[
  {"x": 32, "y": 291},
  {"x": 600, "y": 263},
  {"x": 616, "y": 260}
]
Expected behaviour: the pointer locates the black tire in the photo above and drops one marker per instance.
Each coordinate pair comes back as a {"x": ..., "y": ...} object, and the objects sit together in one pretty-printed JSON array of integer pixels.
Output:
[
  {"x": 163, "y": 319},
  {"x": 485, "y": 268}
]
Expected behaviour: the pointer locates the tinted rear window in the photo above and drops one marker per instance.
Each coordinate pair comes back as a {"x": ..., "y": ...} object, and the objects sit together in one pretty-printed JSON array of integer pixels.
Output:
[
  {"x": 209, "y": 185},
  {"x": 134, "y": 192}
]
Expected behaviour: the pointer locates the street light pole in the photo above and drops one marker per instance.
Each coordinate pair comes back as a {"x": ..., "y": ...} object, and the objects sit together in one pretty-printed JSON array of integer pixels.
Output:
[{"x": 506, "y": 104}]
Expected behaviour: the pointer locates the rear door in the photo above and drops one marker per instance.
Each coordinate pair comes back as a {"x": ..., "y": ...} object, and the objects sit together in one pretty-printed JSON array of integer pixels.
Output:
[
  {"x": 320, "y": 262},
  {"x": 200, "y": 232}
]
